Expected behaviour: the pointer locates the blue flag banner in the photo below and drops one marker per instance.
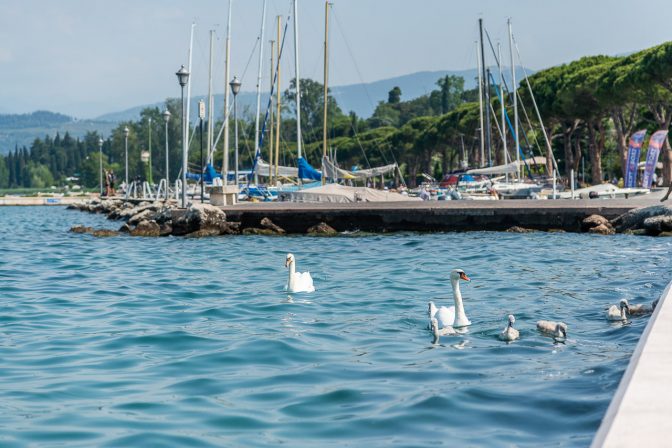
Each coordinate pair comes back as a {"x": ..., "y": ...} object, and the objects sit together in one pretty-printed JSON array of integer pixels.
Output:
[
  {"x": 655, "y": 145},
  {"x": 634, "y": 152}
]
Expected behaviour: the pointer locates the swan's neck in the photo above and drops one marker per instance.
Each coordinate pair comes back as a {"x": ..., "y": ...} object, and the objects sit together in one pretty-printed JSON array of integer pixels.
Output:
[
  {"x": 623, "y": 313},
  {"x": 461, "y": 319},
  {"x": 292, "y": 271}
]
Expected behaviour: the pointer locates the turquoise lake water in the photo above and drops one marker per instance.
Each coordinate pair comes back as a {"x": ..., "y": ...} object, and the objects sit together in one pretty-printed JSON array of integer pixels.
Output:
[{"x": 128, "y": 342}]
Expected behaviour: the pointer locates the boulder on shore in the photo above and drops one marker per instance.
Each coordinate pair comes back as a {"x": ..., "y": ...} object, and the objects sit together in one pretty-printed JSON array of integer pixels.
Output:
[
  {"x": 594, "y": 221},
  {"x": 658, "y": 224},
  {"x": 146, "y": 228},
  {"x": 602, "y": 229},
  {"x": 516, "y": 229},
  {"x": 104, "y": 233},
  {"x": 268, "y": 224},
  {"x": 322, "y": 229},
  {"x": 200, "y": 217},
  {"x": 81, "y": 229},
  {"x": 634, "y": 219}
]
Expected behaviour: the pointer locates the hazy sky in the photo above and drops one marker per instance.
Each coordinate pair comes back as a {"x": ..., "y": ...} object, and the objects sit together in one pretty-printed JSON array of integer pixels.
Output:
[{"x": 89, "y": 57}]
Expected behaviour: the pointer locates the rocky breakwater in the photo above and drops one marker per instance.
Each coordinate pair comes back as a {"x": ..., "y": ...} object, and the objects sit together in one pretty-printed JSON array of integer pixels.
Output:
[
  {"x": 155, "y": 219},
  {"x": 651, "y": 221}
]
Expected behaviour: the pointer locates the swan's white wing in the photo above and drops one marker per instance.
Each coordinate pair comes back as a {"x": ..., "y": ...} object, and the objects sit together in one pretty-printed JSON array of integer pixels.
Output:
[
  {"x": 303, "y": 282},
  {"x": 446, "y": 316}
]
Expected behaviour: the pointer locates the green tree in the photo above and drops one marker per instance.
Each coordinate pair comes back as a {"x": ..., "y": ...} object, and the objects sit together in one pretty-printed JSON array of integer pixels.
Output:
[{"x": 394, "y": 96}]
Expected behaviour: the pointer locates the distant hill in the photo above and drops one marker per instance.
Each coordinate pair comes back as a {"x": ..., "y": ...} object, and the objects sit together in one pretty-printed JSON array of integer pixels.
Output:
[
  {"x": 22, "y": 129},
  {"x": 360, "y": 98}
]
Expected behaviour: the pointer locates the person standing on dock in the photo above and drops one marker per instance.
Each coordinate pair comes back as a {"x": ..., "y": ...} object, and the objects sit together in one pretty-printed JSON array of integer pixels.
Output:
[{"x": 111, "y": 178}]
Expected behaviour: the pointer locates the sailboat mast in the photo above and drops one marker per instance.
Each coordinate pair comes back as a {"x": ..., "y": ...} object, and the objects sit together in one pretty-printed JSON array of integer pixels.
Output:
[
  {"x": 210, "y": 100},
  {"x": 503, "y": 106},
  {"x": 514, "y": 88},
  {"x": 486, "y": 91},
  {"x": 272, "y": 113},
  {"x": 298, "y": 82},
  {"x": 278, "y": 96},
  {"x": 326, "y": 88},
  {"x": 261, "y": 64},
  {"x": 480, "y": 102},
  {"x": 187, "y": 122},
  {"x": 227, "y": 72}
]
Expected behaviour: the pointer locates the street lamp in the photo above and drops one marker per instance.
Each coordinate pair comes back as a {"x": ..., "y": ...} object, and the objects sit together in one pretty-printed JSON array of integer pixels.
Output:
[
  {"x": 150, "y": 178},
  {"x": 166, "y": 117},
  {"x": 183, "y": 78},
  {"x": 100, "y": 156},
  {"x": 235, "y": 88},
  {"x": 126, "y": 132}
]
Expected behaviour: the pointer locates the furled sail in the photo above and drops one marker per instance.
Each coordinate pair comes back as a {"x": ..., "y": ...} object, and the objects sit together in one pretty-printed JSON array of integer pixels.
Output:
[{"x": 334, "y": 172}]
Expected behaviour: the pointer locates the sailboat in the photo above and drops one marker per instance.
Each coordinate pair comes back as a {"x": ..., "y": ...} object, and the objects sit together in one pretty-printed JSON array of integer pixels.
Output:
[{"x": 508, "y": 180}]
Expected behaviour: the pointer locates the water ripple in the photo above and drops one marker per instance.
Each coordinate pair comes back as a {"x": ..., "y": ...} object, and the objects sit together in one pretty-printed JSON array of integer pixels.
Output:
[{"x": 180, "y": 342}]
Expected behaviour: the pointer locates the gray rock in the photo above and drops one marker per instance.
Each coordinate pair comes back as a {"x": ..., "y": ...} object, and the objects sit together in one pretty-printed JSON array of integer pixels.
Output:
[
  {"x": 203, "y": 233},
  {"x": 594, "y": 221},
  {"x": 602, "y": 229},
  {"x": 658, "y": 224},
  {"x": 322, "y": 229},
  {"x": 255, "y": 231},
  {"x": 125, "y": 228},
  {"x": 104, "y": 233},
  {"x": 146, "y": 228},
  {"x": 516, "y": 229},
  {"x": 200, "y": 217},
  {"x": 81, "y": 229},
  {"x": 634, "y": 219},
  {"x": 144, "y": 215},
  {"x": 268, "y": 224}
]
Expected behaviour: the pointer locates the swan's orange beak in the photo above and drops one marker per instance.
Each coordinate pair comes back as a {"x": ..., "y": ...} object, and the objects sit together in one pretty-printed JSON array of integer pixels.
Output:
[
  {"x": 287, "y": 262},
  {"x": 464, "y": 277}
]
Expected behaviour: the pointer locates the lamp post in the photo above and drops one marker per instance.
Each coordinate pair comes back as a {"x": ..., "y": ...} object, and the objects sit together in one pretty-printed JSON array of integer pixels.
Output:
[
  {"x": 126, "y": 132},
  {"x": 150, "y": 178},
  {"x": 201, "y": 116},
  {"x": 166, "y": 117},
  {"x": 183, "y": 78},
  {"x": 235, "y": 88},
  {"x": 100, "y": 157}
]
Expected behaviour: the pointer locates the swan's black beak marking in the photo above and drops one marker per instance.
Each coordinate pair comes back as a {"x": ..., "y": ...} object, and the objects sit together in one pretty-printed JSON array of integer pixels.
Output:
[{"x": 464, "y": 277}]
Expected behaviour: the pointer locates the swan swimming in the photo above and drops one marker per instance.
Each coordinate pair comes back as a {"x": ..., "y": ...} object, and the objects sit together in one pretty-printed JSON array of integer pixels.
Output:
[
  {"x": 642, "y": 309},
  {"x": 437, "y": 332},
  {"x": 298, "y": 281},
  {"x": 556, "y": 329},
  {"x": 618, "y": 312},
  {"x": 509, "y": 333},
  {"x": 453, "y": 316}
]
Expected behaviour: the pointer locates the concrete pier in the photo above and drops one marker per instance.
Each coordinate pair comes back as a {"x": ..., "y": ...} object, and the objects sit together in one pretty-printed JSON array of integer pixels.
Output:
[
  {"x": 640, "y": 413},
  {"x": 433, "y": 215}
]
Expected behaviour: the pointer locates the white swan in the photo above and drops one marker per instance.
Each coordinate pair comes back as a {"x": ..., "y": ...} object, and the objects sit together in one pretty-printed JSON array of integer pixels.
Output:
[
  {"x": 453, "y": 316},
  {"x": 618, "y": 312},
  {"x": 509, "y": 333},
  {"x": 556, "y": 329},
  {"x": 298, "y": 281}
]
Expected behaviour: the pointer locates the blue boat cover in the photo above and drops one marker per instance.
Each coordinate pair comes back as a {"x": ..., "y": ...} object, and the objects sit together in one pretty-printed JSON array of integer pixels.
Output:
[
  {"x": 210, "y": 175},
  {"x": 308, "y": 172}
]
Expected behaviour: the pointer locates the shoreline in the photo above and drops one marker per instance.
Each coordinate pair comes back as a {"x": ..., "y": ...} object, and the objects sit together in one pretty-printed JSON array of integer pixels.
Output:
[
  {"x": 29, "y": 201},
  {"x": 606, "y": 217}
]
